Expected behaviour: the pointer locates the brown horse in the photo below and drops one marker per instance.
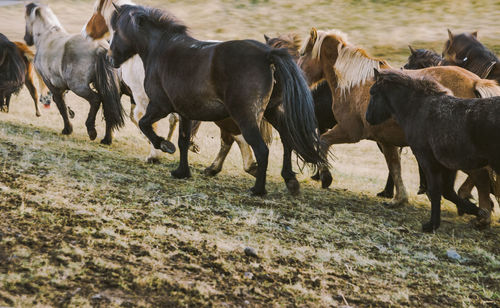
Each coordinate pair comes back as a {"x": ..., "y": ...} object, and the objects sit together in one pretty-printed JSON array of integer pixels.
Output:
[
  {"x": 466, "y": 51},
  {"x": 349, "y": 71}
]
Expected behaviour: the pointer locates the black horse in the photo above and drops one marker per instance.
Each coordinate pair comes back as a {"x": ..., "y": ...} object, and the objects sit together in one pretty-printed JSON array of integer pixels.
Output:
[
  {"x": 12, "y": 71},
  {"x": 209, "y": 81},
  {"x": 445, "y": 133}
]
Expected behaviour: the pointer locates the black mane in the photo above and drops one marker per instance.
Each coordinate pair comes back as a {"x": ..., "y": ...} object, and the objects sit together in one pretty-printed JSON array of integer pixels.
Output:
[
  {"x": 427, "y": 86},
  {"x": 158, "y": 18}
]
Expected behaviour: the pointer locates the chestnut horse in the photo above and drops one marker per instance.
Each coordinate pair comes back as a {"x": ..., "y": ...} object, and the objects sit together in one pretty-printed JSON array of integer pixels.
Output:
[
  {"x": 243, "y": 80},
  {"x": 8, "y": 63},
  {"x": 445, "y": 133},
  {"x": 349, "y": 71},
  {"x": 99, "y": 27}
]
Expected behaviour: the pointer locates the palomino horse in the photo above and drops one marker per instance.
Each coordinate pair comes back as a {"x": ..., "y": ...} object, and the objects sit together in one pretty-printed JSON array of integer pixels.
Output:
[
  {"x": 466, "y": 51},
  {"x": 349, "y": 71},
  {"x": 69, "y": 62},
  {"x": 445, "y": 133},
  {"x": 244, "y": 80},
  {"x": 99, "y": 27}
]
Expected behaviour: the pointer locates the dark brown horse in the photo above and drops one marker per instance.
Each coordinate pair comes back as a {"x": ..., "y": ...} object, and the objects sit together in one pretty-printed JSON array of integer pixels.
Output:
[
  {"x": 13, "y": 70},
  {"x": 466, "y": 51},
  {"x": 445, "y": 133},
  {"x": 243, "y": 80}
]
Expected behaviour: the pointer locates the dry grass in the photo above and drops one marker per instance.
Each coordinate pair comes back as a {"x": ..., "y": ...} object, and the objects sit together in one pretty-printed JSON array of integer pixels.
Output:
[{"x": 86, "y": 225}]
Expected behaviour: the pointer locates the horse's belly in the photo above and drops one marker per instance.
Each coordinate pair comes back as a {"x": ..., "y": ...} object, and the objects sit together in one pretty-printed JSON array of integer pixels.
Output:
[
  {"x": 459, "y": 158},
  {"x": 202, "y": 110}
]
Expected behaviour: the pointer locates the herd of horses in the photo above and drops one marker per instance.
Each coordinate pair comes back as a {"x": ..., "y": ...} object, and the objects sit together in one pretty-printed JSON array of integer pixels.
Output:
[{"x": 315, "y": 92}]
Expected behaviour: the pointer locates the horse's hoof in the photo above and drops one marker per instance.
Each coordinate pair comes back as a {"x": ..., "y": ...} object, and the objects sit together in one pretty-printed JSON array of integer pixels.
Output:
[
  {"x": 38, "y": 114},
  {"x": 167, "y": 147},
  {"x": 385, "y": 194},
  {"x": 4, "y": 109},
  {"x": 469, "y": 208},
  {"x": 258, "y": 192},
  {"x": 194, "y": 148},
  {"x": 210, "y": 172},
  {"x": 293, "y": 186},
  {"x": 421, "y": 190},
  {"x": 429, "y": 227},
  {"x": 106, "y": 141},
  {"x": 326, "y": 179},
  {"x": 316, "y": 177},
  {"x": 252, "y": 170},
  {"x": 71, "y": 113},
  {"x": 67, "y": 131},
  {"x": 152, "y": 160},
  {"x": 92, "y": 133},
  {"x": 181, "y": 174},
  {"x": 393, "y": 204}
]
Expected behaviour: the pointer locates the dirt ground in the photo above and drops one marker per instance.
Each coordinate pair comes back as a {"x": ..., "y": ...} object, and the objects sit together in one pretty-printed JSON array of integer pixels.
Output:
[{"x": 89, "y": 225}]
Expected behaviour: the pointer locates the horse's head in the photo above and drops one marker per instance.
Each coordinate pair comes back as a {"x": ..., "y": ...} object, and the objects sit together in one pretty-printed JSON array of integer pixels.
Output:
[
  {"x": 378, "y": 110},
  {"x": 289, "y": 41},
  {"x": 39, "y": 19},
  {"x": 422, "y": 58},
  {"x": 96, "y": 27},
  {"x": 309, "y": 57},
  {"x": 125, "y": 24},
  {"x": 457, "y": 47}
]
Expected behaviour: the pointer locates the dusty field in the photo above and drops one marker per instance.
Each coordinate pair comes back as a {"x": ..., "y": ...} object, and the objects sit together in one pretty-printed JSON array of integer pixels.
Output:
[{"x": 88, "y": 225}]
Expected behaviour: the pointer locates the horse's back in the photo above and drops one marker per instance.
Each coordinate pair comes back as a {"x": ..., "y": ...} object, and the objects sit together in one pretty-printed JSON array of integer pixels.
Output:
[{"x": 460, "y": 81}]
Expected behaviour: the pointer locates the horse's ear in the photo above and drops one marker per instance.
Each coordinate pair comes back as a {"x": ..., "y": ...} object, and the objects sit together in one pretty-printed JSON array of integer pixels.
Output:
[
  {"x": 413, "y": 51},
  {"x": 314, "y": 35},
  {"x": 474, "y": 34},
  {"x": 376, "y": 73},
  {"x": 450, "y": 35},
  {"x": 266, "y": 38},
  {"x": 117, "y": 7}
]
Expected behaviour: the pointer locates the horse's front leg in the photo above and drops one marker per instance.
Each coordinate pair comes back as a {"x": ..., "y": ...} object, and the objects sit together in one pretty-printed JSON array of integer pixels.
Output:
[
  {"x": 184, "y": 140},
  {"x": 154, "y": 113},
  {"x": 481, "y": 179},
  {"x": 226, "y": 141},
  {"x": 58, "y": 97},
  {"x": 393, "y": 159}
]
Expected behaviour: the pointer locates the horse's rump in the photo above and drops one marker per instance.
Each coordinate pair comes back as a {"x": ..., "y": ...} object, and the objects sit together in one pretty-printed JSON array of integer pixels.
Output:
[{"x": 12, "y": 67}]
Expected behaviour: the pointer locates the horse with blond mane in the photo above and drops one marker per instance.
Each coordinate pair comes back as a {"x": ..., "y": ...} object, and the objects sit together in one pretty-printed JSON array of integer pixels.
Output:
[{"x": 349, "y": 71}]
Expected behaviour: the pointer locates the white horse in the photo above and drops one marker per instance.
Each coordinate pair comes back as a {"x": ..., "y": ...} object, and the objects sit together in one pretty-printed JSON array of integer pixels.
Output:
[
  {"x": 70, "y": 62},
  {"x": 98, "y": 27}
]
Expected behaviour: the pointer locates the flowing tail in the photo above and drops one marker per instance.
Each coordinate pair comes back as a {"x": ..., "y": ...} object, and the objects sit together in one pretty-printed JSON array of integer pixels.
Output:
[
  {"x": 487, "y": 88},
  {"x": 13, "y": 67},
  {"x": 299, "y": 108},
  {"x": 266, "y": 130},
  {"x": 108, "y": 86}
]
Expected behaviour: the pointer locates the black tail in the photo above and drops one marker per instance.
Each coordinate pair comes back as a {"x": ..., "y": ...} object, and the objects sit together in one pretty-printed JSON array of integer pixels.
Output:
[
  {"x": 108, "y": 86},
  {"x": 299, "y": 108},
  {"x": 13, "y": 69}
]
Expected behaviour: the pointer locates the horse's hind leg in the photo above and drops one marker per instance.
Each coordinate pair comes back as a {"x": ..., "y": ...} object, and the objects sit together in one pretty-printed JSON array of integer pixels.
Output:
[
  {"x": 193, "y": 147},
  {"x": 7, "y": 102},
  {"x": 184, "y": 140},
  {"x": 393, "y": 159},
  {"x": 173, "y": 119},
  {"x": 465, "y": 189},
  {"x": 95, "y": 102},
  {"x": 226, "y": 141},
  {"x": 251, "y": 133},
  {"x": 481, "y": 179},
  {"x": 275, "y": 116},
  {"x": 388, "y": 191},
  {"x": 31, "y": 88},
  {"x": 249, "y": 164}
]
